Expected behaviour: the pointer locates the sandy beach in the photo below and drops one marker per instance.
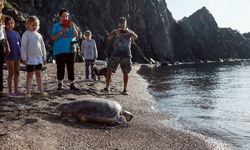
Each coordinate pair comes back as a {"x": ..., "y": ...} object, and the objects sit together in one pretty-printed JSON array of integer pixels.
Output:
[{"x": 34, "y": 124}]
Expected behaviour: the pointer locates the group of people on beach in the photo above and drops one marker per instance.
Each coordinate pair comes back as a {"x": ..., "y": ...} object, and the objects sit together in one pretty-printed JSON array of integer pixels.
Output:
[{"x": 30, "y": 50}]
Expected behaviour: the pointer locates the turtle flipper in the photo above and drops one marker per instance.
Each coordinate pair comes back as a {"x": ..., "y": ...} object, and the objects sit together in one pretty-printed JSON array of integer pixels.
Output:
[
  {"x": 127, "y": 115},
  {"x": 70, "y": 119}
]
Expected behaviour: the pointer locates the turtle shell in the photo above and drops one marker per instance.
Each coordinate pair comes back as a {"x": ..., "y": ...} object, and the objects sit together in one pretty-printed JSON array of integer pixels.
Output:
[{"x": 94, "y": 108}]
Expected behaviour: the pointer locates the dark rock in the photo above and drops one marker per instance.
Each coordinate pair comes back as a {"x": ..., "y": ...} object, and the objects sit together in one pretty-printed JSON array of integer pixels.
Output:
[
  {"x": 195, "y": 38},
  {"x": 247, "y": 35},
  {"x": 198, "y": 37}
]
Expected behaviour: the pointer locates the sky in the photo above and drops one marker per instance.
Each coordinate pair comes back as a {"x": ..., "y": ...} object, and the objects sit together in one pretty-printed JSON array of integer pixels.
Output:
[{"x": 227, "y": 13}]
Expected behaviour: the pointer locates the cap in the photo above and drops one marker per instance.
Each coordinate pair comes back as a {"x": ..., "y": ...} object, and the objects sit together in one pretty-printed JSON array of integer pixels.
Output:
[{"x": 122, "y": 19}]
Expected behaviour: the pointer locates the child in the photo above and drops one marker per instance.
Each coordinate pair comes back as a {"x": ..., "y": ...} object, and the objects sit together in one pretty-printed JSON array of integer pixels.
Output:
[
  {"x": 33, "y": 53},
  {"x": 4, "y": 46},
  {"x": 14, "y": 57},
  {"x": 90, "y": 53}
]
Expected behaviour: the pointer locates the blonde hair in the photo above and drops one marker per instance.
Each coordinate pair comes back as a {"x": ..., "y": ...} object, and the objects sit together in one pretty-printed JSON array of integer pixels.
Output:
[
  {"x": 87, "y": 33},
  {"x": 32, "y": 19}
]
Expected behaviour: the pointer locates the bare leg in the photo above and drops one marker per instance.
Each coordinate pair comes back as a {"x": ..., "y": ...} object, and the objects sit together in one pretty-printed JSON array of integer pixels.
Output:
[
  {"x": 39, "y": 80},
  {"x": 10, "y": 65},
  {"x": 108, "y": 79},
  {"x": 28, "y": 81},
  {"x": 125, "y": 80},
  {"x": 16, "y": 75}
]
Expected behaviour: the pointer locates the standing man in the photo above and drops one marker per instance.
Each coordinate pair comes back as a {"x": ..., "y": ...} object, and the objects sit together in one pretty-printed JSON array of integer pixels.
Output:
[
  {"x": 63, "y": 34},
  {"x": 121, "y": 38}
]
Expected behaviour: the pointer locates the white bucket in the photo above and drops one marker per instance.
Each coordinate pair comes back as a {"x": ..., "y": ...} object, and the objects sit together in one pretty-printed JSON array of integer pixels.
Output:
[{"x": 100, "y": 62}]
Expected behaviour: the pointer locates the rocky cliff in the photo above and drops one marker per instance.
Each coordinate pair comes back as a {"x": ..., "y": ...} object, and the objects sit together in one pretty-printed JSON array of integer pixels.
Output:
[
  {"x": 198, "y": 37},
  {"x": 160, "y": 36},
  {"x": 150, "y": 19}
]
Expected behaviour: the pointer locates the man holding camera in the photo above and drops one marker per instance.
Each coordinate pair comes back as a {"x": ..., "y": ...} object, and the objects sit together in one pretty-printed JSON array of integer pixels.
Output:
[{"x": 121, "y": 39}]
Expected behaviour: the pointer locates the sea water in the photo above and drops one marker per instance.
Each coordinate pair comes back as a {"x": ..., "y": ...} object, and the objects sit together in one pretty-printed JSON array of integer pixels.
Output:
[{"x": 211, "y": 99}]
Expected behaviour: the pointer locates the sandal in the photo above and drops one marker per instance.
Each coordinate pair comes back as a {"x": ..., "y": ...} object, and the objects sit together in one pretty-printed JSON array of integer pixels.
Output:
[
  {"x": 28, "y": 95},
  {"x": 44, "y": 94}
]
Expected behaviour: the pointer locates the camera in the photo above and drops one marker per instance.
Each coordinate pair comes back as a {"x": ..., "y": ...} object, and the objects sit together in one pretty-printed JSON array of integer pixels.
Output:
[
  {"x": 66, "y": 23},
  {"x": 123, "y": 31}
]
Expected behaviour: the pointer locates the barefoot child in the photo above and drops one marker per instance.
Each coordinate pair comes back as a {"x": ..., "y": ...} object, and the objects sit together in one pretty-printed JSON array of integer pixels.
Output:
[
  {"x": 33, "y": 54},
  {"x": 14, "y": 57}
]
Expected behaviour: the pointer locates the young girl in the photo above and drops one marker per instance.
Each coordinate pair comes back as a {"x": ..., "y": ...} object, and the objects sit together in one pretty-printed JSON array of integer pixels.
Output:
[
  {"x": 33, "y": 53},
  {"x": 4, "y": 46},
  {"x": 90, "y": 53},
  {"x": 14, "y": 57}
]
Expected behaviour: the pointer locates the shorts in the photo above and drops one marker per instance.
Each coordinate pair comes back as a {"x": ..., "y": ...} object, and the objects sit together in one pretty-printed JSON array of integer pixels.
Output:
[
  {"x": 125, "y": 64},
  {"x": 31, "y": 68}
]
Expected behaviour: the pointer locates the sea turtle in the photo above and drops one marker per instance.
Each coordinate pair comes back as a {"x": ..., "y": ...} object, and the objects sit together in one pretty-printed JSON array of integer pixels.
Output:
[{"x": 96, "y": 110}]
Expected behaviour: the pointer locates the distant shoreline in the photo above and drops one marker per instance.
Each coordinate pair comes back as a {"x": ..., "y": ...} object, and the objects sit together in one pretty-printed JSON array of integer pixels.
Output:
[{"x": 177, "y": 63}]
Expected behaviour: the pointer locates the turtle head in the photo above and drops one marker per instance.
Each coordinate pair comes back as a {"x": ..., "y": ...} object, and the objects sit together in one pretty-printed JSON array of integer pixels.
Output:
[
  {"x": 61, "y": 107},
  {"x": 127, "y": 115},
  {"x": 65, "y": 109}
]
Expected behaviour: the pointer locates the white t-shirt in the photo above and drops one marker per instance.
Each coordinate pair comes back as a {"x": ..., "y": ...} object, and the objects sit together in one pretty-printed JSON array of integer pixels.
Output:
[
  {"x": 33, "y": 48},
  {"x": 89, "y": 49}
]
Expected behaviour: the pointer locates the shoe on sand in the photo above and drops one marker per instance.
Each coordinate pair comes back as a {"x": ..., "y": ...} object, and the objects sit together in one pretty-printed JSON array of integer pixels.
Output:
[
  {"x": 105, "y": 90},
  {"x": 72, "y": 87},
  {"x": 124, "y": 92},
  {"x": 44, "y": 94},
  {"x": 28, "y": 95},
  {"x": 60, "y": 86}
]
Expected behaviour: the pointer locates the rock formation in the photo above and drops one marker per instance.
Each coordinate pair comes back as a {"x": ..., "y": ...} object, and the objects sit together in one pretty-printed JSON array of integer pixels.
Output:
[
  {"x": 195, "y": 38},
  {"x": 198, "y": 37}
]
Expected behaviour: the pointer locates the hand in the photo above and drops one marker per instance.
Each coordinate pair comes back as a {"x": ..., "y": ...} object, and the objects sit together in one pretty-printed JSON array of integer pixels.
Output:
[
  {"x": 44, "y": 62},
  {"x": 64, "y": 29},
  {"x": 121, "y": 30},
  {"x": 114, "y": 32}
]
